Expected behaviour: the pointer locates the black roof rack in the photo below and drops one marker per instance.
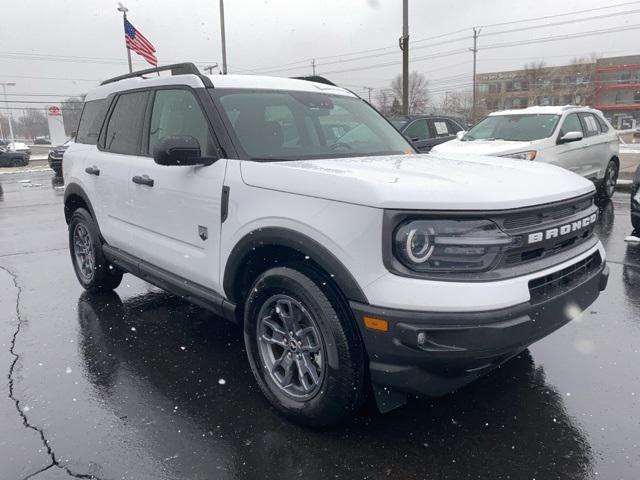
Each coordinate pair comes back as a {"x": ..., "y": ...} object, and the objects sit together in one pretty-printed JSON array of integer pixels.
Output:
[
  {"x": 317, "y": 79},
  {"x": 176, "y": 69}
]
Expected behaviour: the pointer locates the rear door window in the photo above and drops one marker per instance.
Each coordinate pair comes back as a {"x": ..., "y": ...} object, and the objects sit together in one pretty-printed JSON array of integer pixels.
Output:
[
  {"x": 417, "y": 130},
  {"x": 440, "y": 128},
  {"x": 91, "y": 121},
  {"x": 124, "y": 128}
]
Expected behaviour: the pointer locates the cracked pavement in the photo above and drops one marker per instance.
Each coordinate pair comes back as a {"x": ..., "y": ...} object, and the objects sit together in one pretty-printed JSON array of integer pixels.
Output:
[{"x": 127, "y": 386}]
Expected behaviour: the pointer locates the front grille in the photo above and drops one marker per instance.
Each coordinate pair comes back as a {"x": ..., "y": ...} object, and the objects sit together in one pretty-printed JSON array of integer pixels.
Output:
[
  {"x": 520, "y": 225},
  {"x": 545, "y": 214},
  {"x": 563, "y": 280}
]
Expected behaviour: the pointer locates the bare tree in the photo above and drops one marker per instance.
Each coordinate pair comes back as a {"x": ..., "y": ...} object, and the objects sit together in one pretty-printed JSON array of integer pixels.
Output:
[
  {"x": 418, "y": 91},
  {"x": 32, "y": 124},
  {"x": 71, "y": 110},
  {"x": 535, "y": 74},
  {"x": 458, "y": 103}
]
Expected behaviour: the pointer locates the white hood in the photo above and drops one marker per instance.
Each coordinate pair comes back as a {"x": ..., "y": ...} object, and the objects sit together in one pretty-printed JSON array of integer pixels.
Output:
[
  {"x": 429, "y": 181},
  {"x": 483, "y": 147}
]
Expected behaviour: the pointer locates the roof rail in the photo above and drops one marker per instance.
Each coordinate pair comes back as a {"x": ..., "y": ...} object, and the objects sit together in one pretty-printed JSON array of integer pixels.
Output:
[
  {"x": 317, "y": 79},
  {"x": 567, "y": 107},
  {"x": 176, "y": 69}
]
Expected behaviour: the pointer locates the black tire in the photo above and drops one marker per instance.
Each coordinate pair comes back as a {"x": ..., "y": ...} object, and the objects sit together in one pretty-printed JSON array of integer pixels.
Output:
[
  {"x": 340, "y": 386},
  {"x": 94, "y": 273},
  {"x": 608, "y": 186}
]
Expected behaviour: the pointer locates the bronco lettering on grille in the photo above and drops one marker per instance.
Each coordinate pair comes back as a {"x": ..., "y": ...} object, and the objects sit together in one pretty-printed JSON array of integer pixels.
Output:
[{"x": 562, "y": 230}]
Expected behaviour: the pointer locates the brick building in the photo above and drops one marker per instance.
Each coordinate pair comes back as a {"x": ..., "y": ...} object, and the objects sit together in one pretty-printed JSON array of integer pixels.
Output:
[{"x": 609, "y": 84}]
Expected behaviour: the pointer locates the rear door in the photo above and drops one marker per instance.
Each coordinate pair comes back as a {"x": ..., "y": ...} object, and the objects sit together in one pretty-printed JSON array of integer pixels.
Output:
[
  {"x": 596, "y": 147},
  {"x": 569, "y": 155},
  {"x": 107, "y": 167},
  {"x": 178, "y": 212}
]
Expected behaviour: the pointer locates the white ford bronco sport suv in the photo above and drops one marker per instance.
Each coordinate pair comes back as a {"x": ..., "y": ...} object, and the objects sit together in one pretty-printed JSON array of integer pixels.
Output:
[
  {"x": 352, "y": 263},
  {"x": 577, "y": 138}
]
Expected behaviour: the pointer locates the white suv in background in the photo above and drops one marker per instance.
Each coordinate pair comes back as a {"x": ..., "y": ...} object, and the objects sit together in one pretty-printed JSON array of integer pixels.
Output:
[
  {"x": 579, "y": 139},
  {"x": 294, "y": 209}
]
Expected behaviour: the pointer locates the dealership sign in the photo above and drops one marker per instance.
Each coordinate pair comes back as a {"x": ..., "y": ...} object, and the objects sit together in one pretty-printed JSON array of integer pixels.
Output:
[{"x": 54, "y": 110}]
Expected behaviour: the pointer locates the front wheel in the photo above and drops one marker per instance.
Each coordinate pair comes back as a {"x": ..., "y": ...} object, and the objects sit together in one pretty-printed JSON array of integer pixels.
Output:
[
  {"x": 94, "y": 273},
  {"x": 608, "y": 187},
  {"x": 304, "y": 348}
]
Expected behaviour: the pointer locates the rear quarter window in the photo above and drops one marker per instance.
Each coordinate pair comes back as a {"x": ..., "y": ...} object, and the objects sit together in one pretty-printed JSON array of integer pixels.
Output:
[{"x": 91, "y": 121}]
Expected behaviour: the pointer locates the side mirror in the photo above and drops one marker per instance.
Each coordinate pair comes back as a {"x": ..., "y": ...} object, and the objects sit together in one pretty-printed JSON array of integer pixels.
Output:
[
  {"x": 570, "y": 137},
  {"x": 460, "y": 134},
  {"x": 180, "y": 150}
]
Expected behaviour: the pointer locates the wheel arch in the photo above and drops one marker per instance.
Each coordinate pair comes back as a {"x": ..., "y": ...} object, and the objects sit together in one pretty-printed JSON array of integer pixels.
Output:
[
  {"x": 75, "y": 197},
  {"x": 272, "y": 245}
]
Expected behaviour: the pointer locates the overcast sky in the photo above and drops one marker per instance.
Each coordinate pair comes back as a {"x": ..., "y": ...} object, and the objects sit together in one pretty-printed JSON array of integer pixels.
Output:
[{"x": 262, "y": 34}]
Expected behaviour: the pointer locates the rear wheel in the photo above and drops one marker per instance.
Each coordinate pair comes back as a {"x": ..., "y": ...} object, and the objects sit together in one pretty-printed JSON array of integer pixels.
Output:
[
  {"x": 304, "y": 348},
  {"x": 608, "y": 187},
  {"x": 94, "y": 273}
]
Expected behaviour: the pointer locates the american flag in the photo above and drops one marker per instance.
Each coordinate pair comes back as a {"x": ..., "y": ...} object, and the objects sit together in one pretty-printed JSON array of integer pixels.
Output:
[{"x": 139, "y": 44}]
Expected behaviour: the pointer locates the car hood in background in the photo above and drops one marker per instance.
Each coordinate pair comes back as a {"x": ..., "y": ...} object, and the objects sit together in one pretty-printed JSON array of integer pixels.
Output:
[
  {"x": 483, "y": 147},
  {"x": 426, "y": 181}
]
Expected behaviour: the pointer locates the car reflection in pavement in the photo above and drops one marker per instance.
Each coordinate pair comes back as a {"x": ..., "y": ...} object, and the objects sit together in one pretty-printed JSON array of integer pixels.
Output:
[{"x": 510, "y": 424}]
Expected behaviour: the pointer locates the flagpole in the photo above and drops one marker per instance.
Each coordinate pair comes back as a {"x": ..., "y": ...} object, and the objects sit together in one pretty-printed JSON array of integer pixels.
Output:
[
  {"x": 224, "y": 42},
  {"x": 124, "y": 10}
]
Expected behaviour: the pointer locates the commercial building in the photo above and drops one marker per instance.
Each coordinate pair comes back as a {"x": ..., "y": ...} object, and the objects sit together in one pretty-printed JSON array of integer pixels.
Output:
[{"x": 609, "y": 84}]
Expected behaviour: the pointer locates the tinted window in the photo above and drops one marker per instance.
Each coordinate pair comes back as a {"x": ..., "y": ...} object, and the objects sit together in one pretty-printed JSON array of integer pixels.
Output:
[
  {"x": 454, "y": 127},
  {"x": 524, "y": 128},
  {"x": 91, "y": 121},
  {"x": 417, "y": 130},
  {"x": 177, "y": 112},
  {"x": 123, "y": 130},
  {"x": 571, "y": 124},
  {"x": 590, "y": 123},
  {"x": 295, "y": 125},
  {"x": 603, "y": 125}
]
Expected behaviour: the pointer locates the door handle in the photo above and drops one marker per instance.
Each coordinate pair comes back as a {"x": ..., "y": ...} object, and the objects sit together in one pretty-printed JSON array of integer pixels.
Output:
[
  {"x": 143, "y": 180},
  {"x": 92, "y": 170}
]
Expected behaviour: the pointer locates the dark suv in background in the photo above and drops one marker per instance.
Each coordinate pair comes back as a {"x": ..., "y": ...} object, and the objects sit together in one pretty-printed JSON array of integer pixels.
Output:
[
  {"x": 426, "y": 131},
  {"x": 55, "y": 157}
]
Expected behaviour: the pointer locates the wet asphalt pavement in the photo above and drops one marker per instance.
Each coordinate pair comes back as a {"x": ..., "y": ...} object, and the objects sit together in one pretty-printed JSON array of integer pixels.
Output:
[{"x": 141, "y": 385}]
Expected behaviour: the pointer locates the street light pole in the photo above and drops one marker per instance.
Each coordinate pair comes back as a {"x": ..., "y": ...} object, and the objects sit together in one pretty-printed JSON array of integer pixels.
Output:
[
  {"x": 124, "y": 10},
  {"x": 224, "y": 42},
  {"x": 6, "y": 103}
]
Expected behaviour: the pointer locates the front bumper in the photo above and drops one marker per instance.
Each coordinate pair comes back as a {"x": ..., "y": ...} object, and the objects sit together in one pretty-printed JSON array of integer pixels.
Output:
[
  {"x": 435, "y": 353},
  {"x": 55, "y": 162}
]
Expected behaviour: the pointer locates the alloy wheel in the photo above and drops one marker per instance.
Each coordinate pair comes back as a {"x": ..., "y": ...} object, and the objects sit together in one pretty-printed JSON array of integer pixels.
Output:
[
  {"x": 84, "y": 252},
  {"x": 611, "y": 179},
  {"x": 291, "y": 347}
]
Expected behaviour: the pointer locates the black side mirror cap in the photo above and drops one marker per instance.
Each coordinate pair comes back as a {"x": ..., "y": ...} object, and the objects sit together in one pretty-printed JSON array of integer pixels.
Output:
[{"x": 180, "y": 150}]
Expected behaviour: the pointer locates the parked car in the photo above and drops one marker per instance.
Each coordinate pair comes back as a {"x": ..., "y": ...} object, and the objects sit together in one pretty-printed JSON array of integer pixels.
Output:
[
  {"x": 635, "y": 202},
  {"x": 19, "y": 147},
  {"x": 55, "y": 157},
  {"x": 347, "y": 262},
  {"x": 41, "y": 141},
  {"x": 12, "y": 159},
  {"x": 579, "y": 139},
  {"x": 426, "y": 131}
]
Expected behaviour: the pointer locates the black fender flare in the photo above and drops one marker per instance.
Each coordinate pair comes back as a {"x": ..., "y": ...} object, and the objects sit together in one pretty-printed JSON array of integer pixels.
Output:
[
  {"x": 284, "y": 237},
  {"x": 75, "y": 189}
]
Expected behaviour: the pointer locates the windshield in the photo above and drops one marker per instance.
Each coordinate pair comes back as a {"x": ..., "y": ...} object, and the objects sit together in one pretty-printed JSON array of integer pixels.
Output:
[
  {"x": 292, "y": 125},
  {"x": 523, "y": 128}
]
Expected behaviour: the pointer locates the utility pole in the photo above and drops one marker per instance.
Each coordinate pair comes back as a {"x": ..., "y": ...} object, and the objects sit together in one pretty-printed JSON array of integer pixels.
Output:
[
  {"x": 224, "y": 42},
  {"x": 476, "y": 32},
  {"x": 404, "y": 46},
  {"x": 313, "y": 66},
  {"x": 9, "y": 114},
  {"x": 124, "y": 10},
  {"x": 209, "y": 68},
  {"x": 369, "y": 89}
]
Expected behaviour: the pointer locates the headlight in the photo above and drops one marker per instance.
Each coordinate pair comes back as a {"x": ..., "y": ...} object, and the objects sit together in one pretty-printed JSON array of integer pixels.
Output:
[
  {"x": 528, "y": 155},
  {"x": 433, "y": 246}
]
